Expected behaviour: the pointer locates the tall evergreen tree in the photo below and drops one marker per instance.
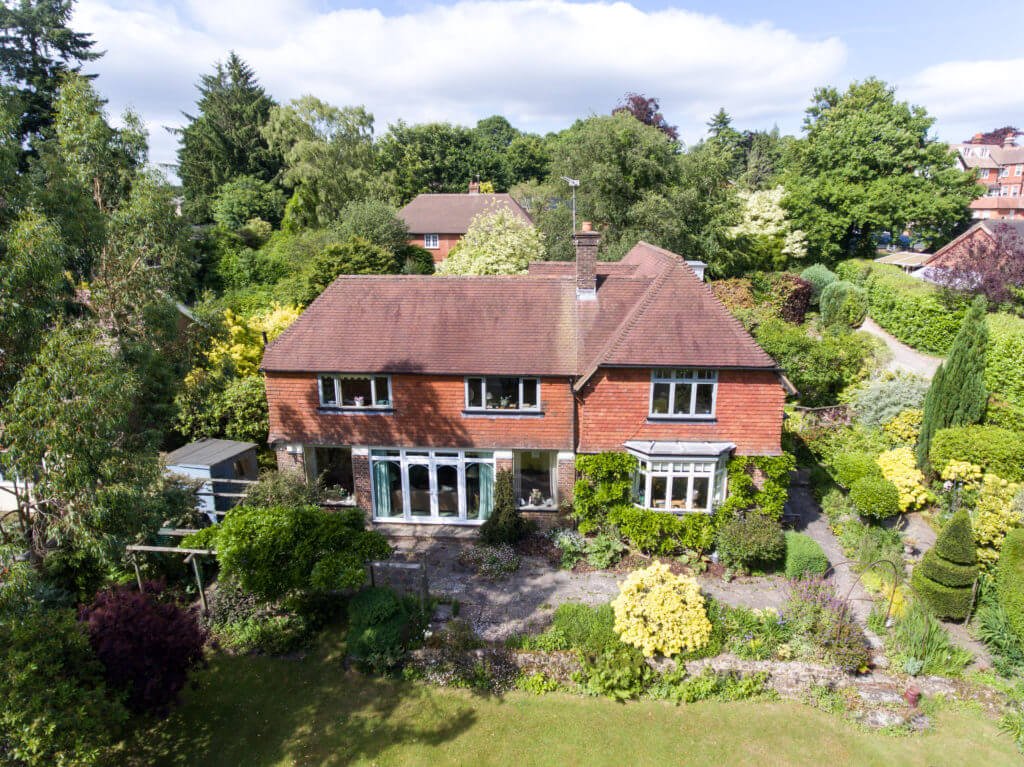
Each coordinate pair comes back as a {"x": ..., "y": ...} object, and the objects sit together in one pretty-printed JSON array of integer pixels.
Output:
[
  {"x": 957, "y": 394},
  {"x": 37, "y": 47},
  {"x": 225, "y": 140}
]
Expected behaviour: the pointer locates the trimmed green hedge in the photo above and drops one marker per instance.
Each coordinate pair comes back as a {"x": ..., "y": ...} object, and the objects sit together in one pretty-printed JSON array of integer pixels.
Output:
[
  {"x": 996, "y": 450},
  {"x": 910, "y": 309},
  {"x": 914, "y": 312},
  {"x": 804, "y": 556},
  {"x": 944, "y": 579},
  {"x": 944, "y": 601},
  {"x": 875, "y": 496},
  {"x": 1010, "y": 579},
  {"x": 658, "y": 532},
  {"x": 847, "y": 468},
  {"x": 949, "y": 573},
  {"x": 1004, "y": 362},
  {"x": 752, "y": 541},
  {"x": 844, "y": 303}
]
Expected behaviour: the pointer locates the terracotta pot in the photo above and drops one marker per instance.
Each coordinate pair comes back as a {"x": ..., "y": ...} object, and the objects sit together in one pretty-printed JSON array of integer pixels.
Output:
[{"x": 912, "y": 695}]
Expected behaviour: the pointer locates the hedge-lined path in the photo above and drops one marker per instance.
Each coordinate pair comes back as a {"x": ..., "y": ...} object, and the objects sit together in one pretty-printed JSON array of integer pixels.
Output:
[
  {"x": 904, "y": 357},
  {"x": 524, "y": 601}
]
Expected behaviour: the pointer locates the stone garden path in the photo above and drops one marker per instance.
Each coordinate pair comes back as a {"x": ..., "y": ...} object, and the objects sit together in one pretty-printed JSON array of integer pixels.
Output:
[
  {"x": 524, "y": 601},
  {"x": 904, "y": 357}
]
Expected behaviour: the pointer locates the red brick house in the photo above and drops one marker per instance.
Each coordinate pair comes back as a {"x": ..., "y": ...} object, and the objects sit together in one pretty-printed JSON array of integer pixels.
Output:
[
  {"x": 999, "y": 163},
  {"x": 981, "y": 237},
  {"x": 415, "y": 390},
  {"x": 438, "y": 221}
]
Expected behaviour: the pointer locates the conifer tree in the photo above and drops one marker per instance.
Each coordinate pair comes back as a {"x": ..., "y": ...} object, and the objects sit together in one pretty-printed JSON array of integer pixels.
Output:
[
  {"x": 944, "y": 579},
  {"x": 225, "y": 140},
  {"x": 957, "y": 394},
  {"x": 505, "y": 525}
]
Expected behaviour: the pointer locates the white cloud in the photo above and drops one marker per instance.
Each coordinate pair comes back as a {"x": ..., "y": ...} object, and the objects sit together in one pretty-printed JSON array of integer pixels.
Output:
[
  {"x": 969, "y": 96},
  {"x": 541, "y": 63}
]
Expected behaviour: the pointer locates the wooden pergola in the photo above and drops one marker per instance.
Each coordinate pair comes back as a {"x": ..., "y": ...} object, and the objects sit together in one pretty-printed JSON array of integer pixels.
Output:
[{"x": 191, "y": 557}]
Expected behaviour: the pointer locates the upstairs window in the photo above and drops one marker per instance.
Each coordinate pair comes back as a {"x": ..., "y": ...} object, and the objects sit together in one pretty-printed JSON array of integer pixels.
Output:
[
  {"x": 355, "y": 392},
  {"x": 431, "y": 241},
  {"x": 1018, "y": 170},
  {"x": 503, "y": 394},
  {"x": 683, "y": 393},
  {"x": 1004, "y": 171}
]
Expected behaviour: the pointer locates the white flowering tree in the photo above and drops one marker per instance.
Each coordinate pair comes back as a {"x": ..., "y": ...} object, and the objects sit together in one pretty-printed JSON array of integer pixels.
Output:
[
  {"x": 768, "y": 230},
  {"x": 497, "y": 242}
]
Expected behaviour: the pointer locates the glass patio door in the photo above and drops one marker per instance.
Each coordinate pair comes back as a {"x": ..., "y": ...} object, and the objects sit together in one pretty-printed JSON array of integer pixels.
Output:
[{"x": 432, "y": 485}]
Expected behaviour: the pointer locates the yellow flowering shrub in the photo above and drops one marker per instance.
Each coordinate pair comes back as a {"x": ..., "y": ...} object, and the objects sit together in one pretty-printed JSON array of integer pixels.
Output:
[
  {"x": 962, "y": 471},
  {"x": 899, "y": 466},
  {"x": 993, "y": 517},
  {"x": 905, "y": 428},
  {"x": 243, "y": 346},
  {"x": 659, "y": 612}
]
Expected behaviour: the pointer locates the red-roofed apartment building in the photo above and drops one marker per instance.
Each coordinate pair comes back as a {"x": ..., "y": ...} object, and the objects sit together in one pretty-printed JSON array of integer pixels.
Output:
[
  {"x": 438, "y": 221},
  {"x": 413, "y": 391},
  {"x": 999, "y": 163}
]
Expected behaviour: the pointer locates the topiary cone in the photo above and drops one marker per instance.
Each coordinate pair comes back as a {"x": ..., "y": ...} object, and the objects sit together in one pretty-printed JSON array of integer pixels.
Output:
[{"x": 944, "y": 579}]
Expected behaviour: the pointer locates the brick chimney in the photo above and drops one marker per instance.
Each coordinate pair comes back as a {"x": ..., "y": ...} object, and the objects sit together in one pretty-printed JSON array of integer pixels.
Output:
[
  {"x": 586, "y": 241},
  {"x": 474, "y": 187},
  {"x": 1010, "y": 139}
]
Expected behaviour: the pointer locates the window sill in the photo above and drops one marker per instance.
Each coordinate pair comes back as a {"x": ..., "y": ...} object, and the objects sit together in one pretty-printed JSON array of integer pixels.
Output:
[
  {"x": 675, "y": 512},
  {"x": 325, "y": 410},
  {"x": 545, "y": 508},
  {"x": 503, "y": 413},
  {"x": 651, "y": 418}
]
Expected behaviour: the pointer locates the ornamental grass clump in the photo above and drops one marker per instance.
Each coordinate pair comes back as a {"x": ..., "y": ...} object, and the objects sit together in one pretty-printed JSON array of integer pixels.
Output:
[
  {"x": 661, "y": 613},
  {"x": 944, "y": 579}
]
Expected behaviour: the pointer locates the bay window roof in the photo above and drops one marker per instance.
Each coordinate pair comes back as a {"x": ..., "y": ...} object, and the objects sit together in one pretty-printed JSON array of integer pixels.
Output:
[{"x": 649, "y": 449}]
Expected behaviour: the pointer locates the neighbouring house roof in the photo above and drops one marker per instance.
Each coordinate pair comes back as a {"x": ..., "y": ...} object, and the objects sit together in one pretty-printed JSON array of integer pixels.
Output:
[
  {"x": 904, "y": 258},
  {"x": 990, "y": 227},
  {"x": 207, "y": 452},
  {"x": 452, "y": 213},
  {"x": 651, "y": 311}
]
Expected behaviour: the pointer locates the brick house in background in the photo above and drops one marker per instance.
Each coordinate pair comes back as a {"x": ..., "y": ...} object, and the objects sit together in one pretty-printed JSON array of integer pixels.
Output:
[
  {"x": 415, "y": 390},
  {"x": 438, "y": 221},
  {"x": 999, "y": 163}
]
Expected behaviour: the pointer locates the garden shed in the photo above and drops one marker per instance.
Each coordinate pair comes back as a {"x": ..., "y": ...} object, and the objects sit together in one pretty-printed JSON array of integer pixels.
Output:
[{"x": 233, "y": 463}]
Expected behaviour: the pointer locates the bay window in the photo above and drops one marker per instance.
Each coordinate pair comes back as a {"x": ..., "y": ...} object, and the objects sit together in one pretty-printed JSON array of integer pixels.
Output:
[
  {"x": 683, "y": 393},
  {"x": 355, "y": 391},
  {"x": 680, "y": 486},
  {"x": 502, "y": 393}
]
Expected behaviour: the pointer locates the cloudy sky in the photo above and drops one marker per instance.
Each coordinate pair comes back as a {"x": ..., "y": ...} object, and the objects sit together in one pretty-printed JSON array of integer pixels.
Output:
[{"x": 542, "y": 63}]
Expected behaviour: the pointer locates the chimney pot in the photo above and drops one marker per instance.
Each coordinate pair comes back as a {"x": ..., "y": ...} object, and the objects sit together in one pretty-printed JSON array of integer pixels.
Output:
[
  {"x": 587, "y": 227},
  {"x": 474, "y": 187}
]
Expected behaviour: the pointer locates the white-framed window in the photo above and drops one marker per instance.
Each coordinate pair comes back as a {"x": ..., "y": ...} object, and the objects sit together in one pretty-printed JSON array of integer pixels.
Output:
[
  {"x": 428, "y": 485},
  {"x": 431, "y": 241},
  {"x": 691, "y": 485},
  {"x": 683, "y": 393},
  {"x": 1004, "y": 190},
  {"x": 1004, "y": 171},
  {"x": 343, "y": 392},
  {"x": 502, "y": 393},
  {"x": 1018, "y": 170},
  {"x": 535, "y": 478},
  {"x": 983, "y": 173}
]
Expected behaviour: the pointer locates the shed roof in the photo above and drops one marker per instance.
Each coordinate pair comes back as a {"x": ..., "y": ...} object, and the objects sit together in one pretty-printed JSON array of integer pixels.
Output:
[{"x": 207, "y": 452}]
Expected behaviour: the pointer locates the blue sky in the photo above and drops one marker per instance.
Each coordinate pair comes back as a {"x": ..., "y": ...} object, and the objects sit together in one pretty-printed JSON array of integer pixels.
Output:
[{"x": 544, "y": 62}]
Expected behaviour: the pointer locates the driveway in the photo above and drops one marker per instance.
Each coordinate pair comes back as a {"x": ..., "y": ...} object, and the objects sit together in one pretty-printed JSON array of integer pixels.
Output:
[{"x": 904, "y": 357}]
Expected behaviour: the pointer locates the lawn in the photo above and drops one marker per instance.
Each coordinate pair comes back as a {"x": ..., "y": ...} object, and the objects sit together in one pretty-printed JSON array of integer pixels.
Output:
[{"x": 258, "y": 712}]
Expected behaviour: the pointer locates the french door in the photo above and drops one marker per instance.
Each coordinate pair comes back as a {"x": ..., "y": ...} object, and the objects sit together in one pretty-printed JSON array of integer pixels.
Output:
[{"x": 432, "y": 485}]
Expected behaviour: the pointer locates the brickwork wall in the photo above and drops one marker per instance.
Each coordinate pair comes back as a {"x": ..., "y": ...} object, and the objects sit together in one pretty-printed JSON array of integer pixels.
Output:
[
  {"x": 361, "y": 482},
  {"x": 445, "y": 242},
  {"x": 566, "y": 480},
  {"x": 748, "y": 412},
  {"x": 428, "y": 412}
]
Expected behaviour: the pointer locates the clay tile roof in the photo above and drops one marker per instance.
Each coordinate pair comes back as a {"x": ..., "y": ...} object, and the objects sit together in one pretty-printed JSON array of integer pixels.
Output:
[
  {"x": 651, "y": 311},
  {"x": 452, "y": 213}
]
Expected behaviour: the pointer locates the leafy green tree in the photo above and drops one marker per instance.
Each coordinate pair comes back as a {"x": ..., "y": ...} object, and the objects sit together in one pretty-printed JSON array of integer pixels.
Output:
[
  {"x": 374, "y": 221},
  {"x": 765, "y": 152},
  {"x": 67, "y": 425},
  {"x": 648, "y": 111},
  {"x": 726, "y": 140},
  {"x": 99, "y": 158},
  {"x": 527, "y": 157},
  {"x": 38, "y": 47},
  {"x": 433, "y": 157},
  {"x": 244, "y": 198},
  {"x": 765, "y": 232},
  {"x": 225, "y": 139},
  {"x": 488, "y": 152},
  {"x": 32, "y": 288},
  {"x": 495, "y": 243},
  {"x": 356, "y": 256},
  {"x": 328, "y": 153},
  {"x": 868, "y": 164},
  {"x": 958, "y": 394}
]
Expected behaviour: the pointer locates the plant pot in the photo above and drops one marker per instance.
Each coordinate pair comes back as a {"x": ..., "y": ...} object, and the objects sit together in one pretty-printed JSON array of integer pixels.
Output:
[{"x": 912, "y": 695}]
